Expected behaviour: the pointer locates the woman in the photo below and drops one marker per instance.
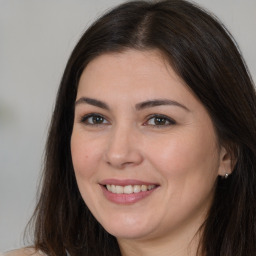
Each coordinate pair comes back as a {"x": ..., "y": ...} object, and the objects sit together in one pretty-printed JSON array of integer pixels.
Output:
[{"x": 151, "y": 149}]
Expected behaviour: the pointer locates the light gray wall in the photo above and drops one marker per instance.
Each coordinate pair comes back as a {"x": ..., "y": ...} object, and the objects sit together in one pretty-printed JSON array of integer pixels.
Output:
[{"x": 36, "y": 38}]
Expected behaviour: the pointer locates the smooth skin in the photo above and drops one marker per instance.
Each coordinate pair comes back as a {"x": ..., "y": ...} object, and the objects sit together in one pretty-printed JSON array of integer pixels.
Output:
[{"x": 120, "y": 133}]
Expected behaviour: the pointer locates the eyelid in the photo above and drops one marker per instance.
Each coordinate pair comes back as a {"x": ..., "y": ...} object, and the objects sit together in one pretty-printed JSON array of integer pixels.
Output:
[
  {"x": 85, "y": 117},
  {"x": 170, "y": 120}
]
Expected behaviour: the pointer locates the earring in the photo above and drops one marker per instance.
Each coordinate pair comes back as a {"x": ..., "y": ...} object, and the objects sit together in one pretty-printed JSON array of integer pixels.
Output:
[{"x": 226, "y": 175}]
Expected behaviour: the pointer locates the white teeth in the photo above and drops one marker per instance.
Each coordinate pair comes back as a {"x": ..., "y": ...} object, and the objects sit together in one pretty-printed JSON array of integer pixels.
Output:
[
  {"x": 129, "y": 189},
  {"x": 113, "y": 188},
  {"x": 144, "y": 188},
  {"x": 136, "y": 188},
  {"x": 119, "y": 189}
]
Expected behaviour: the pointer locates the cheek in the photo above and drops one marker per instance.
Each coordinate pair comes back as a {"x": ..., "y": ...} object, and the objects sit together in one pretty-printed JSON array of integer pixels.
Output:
[
  {"x": 188, "y": 165},
  {"x": 85, "y": 155},
  {"x": 186, "y": 154}
]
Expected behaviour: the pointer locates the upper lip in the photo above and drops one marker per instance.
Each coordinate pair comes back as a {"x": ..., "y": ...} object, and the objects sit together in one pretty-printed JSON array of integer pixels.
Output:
[{"x": 125, "y": 182}]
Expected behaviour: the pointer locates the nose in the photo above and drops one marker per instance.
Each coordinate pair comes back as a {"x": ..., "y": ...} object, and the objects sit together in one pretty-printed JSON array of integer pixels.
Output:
[{"x": 123, "y": 148}]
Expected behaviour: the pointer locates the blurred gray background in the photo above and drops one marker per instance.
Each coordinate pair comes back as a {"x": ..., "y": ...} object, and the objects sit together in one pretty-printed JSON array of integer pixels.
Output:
[{"x": 36, "y": 39}]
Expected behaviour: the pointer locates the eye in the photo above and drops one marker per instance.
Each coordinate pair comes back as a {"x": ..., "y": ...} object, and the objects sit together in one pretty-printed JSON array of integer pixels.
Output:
[
  {"x": 94, "y": 119},
  {"x": 160, "y": 120}
]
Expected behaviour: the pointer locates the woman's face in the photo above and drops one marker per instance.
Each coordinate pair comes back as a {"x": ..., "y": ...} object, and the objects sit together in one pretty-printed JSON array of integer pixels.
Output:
[{"x": 144, "y": 149}]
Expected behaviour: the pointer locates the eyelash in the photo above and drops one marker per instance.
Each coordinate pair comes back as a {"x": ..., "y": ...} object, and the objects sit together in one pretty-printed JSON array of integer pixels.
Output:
[
  {"x": 85, "y": 119},
  {"x": 160, "y": 118},
  {"x": 104, "y": 121}
]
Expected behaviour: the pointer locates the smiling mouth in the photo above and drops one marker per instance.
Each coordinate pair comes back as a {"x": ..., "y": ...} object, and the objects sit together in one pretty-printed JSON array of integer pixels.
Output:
[{"x": 129, "y": 189}]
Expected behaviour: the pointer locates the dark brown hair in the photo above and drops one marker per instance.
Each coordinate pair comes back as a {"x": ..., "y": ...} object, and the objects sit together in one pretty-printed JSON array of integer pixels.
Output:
[{"x": 205, "y": 56}]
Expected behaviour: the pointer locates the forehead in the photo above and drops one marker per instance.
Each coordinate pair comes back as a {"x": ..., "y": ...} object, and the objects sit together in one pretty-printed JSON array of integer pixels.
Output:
[
  {"x": 128, "y": 69},
  {"x": 133, "y": 76}
]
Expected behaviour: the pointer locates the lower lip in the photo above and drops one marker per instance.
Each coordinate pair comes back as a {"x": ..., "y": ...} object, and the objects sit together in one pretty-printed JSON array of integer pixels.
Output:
[{"x": 126, "y": 198}]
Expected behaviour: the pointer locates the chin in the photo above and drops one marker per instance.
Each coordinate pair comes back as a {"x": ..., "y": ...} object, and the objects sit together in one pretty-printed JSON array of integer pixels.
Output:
[
  {"x": 129, "y": 230},
  {"x": 129, "y": 233}
]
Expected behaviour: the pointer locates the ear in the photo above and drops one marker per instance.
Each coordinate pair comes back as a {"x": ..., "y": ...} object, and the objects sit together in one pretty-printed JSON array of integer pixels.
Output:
[{"x": 226, "y": 162}]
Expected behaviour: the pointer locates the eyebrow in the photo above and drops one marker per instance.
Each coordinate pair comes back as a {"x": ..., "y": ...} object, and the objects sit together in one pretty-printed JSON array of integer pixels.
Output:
[
  {"x": 138, "y": 106},
  {"x": 93, "y": 102},
  {"x": 159, "y": 102}
]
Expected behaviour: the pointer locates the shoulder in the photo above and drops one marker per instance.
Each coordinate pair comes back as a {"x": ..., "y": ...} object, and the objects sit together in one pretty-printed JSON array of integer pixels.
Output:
[{"x": 23, "y": 252}]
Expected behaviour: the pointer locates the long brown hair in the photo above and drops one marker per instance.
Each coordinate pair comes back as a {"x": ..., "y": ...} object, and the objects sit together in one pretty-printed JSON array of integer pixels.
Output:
[{"x": 206, "y": 57}]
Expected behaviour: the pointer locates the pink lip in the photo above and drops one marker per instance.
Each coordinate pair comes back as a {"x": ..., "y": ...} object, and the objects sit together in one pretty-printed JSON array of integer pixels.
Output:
[{"x": 125, "y": 199}]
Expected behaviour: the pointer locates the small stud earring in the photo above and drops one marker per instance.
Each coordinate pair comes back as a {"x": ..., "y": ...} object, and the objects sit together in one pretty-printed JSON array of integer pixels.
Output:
[{"x": 226, "y": 175}]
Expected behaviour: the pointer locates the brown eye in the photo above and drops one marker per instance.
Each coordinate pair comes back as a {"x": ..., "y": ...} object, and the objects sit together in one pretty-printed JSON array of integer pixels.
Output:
[
  {"x": 159, "y": 120},
  {"x": 94, "y": 119},
  {"x": 97, "y": 119}
]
